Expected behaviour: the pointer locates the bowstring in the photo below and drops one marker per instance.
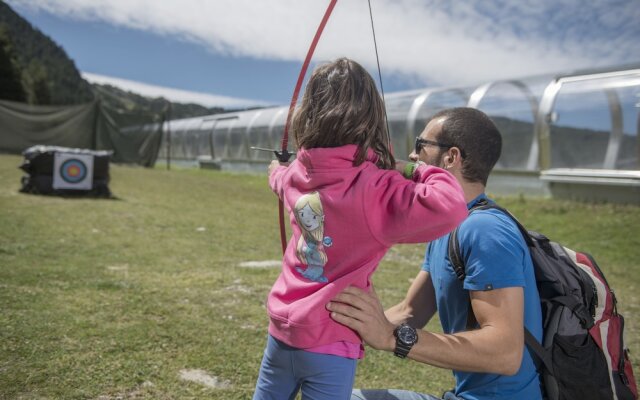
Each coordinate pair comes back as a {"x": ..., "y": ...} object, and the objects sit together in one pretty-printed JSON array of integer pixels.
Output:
[{"x": 375, "y": 46}]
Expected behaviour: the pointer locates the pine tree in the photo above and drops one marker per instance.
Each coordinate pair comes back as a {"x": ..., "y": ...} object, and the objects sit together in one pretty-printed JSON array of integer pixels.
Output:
[
  {"x": 10, "y": 78},
  {"x": 37, "y": 83}
]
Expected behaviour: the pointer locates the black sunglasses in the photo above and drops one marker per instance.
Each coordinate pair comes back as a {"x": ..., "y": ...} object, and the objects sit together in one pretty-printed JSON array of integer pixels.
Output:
[{"x": 420, "y": 142}]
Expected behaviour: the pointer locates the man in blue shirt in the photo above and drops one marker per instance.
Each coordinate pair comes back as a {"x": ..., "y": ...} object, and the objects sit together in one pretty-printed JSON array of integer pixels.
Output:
[{"x": 483, "y": 317}]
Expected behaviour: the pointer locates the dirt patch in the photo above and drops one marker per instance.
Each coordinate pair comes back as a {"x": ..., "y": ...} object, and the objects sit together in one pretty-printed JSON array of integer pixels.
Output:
[
  {"x": 203, "y": 378},
  {"x": 261, "y": 264}
]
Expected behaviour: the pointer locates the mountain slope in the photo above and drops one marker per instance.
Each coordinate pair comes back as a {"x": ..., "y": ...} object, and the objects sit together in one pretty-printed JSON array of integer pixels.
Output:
[
  {"x": 36, "y": 70},
  {"x": 49, "y": 76}
]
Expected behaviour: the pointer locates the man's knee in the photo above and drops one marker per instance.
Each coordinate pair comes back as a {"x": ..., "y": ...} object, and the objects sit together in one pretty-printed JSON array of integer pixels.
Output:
[{"x": 389, "y": 394}]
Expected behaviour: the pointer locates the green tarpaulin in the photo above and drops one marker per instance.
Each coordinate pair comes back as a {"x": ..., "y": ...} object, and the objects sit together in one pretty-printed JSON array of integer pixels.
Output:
[{"x": 133, "y": 138}]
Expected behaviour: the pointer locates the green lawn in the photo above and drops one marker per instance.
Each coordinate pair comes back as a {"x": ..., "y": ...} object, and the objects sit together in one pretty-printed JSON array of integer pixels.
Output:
[{"x": 116, "y": 299}]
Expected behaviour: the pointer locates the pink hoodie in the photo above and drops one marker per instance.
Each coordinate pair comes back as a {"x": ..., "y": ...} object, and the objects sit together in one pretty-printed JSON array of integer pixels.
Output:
[{"x": 364, "y": 211}]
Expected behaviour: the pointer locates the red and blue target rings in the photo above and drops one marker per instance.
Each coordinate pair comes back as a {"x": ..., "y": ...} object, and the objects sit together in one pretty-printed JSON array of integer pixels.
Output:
[{"x": 73, "y": 170}]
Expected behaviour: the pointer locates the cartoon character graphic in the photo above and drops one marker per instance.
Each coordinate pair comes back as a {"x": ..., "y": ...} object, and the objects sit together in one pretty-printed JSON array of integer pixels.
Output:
[{"x": 310, "y": 249}]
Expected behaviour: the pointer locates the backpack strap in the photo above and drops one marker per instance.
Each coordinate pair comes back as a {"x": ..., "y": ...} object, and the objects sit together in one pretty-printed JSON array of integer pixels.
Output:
[
  {"x": 577, "y": 308},
  {"x": 454, "y": 245},
  {"x": 454, "y": 255},
  {"x": 541, "y": 357}
]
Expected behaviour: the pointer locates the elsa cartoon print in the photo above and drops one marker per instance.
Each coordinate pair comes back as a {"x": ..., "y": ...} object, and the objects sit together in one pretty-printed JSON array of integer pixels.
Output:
[{"x": 310, "y": 217}]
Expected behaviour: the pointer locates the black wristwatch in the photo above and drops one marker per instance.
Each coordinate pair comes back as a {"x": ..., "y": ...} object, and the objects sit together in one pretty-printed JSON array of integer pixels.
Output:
[{"x": 406, "y": 337}]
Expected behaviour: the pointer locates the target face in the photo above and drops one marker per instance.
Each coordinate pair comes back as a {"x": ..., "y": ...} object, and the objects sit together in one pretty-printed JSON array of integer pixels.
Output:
[{"x": 73, "y": 171}]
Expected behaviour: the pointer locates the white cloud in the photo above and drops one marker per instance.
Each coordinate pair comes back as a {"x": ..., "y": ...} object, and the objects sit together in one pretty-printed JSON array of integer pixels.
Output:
[
  {"x": 431, "y": 41},
  {"x": 176, "y": 95}
]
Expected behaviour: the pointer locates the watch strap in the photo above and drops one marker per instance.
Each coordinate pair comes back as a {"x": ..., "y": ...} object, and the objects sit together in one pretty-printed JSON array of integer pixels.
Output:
[{"x": 401, "y": 350}]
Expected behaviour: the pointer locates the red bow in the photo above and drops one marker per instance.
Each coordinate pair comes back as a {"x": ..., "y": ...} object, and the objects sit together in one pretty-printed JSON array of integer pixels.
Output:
[{"x": 284, "y": 154}]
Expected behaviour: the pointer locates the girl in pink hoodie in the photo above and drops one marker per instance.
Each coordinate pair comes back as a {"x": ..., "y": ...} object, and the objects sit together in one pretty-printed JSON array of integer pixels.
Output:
[{"x": 347, "y": 206}]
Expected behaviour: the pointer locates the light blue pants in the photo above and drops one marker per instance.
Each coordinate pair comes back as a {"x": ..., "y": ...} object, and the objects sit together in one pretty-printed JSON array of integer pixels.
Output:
[
  {"x": 395, "y": 394},
  {"x": 285, "y": 370}
]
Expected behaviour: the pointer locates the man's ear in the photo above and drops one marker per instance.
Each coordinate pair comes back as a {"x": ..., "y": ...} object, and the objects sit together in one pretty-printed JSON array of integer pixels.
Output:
[{"x": 454, "y": 155}]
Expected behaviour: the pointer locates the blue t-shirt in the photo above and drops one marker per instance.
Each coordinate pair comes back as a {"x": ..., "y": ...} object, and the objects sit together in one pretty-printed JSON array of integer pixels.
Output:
[{"x": 495, "y": 256}]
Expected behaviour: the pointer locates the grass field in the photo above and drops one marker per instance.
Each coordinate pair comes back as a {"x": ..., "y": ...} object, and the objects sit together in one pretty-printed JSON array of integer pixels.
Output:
[{"x": 124, "y": 299}]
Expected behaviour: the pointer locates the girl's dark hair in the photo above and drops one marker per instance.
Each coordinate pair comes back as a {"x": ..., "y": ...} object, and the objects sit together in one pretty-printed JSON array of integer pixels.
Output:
[
  {"x": 341, "y": 106},
  {"x": 475, "y": 134}
]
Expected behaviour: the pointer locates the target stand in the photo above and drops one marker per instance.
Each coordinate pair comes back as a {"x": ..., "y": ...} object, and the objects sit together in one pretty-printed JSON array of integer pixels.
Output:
[{"x": 66, "y": 172}]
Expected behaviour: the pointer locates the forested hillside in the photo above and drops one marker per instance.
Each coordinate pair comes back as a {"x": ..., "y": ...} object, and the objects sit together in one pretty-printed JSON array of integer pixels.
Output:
[
  {"x": 36, "y": 70},
  {"x": 47, "y": 74},
  {"x": 130, "y": 102}
]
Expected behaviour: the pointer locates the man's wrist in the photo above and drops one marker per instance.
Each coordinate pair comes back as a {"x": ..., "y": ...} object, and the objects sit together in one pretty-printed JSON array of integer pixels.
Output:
[
  {"x": 391, "y": 342},
  {"x": 406, "y": 336}
]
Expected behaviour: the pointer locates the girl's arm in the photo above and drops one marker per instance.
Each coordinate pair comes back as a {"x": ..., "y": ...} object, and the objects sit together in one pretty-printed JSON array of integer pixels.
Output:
[
  {"x": 276, "y": 171},
  {"x": 422, "y": 209}
]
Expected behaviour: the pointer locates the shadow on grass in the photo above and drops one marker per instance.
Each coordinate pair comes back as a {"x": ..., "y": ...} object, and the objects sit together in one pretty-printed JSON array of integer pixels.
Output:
[{"x": 74, "y": 194}]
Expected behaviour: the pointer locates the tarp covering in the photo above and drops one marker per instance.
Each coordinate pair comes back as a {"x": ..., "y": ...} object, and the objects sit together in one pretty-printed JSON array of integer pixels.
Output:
[
  {"x": 134, "y": 138},
  {"x": 85, "y": 126}
]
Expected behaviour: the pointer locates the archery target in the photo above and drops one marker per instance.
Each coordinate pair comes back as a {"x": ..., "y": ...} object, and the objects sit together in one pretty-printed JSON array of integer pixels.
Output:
[{"x": 73, "y": 171}]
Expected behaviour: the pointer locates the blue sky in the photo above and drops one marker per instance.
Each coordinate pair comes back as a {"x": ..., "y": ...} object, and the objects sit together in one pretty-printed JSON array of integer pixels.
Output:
[{"x": 243, "y": 52}]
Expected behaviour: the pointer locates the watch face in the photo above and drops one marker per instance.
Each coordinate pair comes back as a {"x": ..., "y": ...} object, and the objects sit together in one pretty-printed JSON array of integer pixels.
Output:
[{"x": 406, "y": 334}]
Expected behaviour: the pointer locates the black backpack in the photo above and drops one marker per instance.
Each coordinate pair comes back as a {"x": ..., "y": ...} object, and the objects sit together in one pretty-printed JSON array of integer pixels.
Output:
[{"x": 582, "y": 354}]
